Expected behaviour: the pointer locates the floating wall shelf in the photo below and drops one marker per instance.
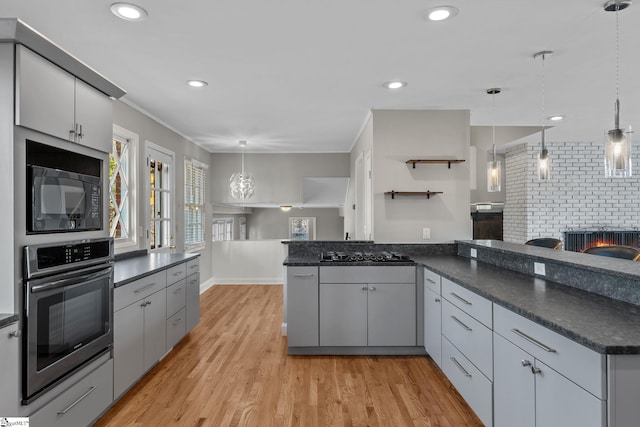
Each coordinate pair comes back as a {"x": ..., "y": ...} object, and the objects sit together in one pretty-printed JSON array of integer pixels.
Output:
[
  {"x": 412, "y": 193},
  {"x": 434, "y": 161}
]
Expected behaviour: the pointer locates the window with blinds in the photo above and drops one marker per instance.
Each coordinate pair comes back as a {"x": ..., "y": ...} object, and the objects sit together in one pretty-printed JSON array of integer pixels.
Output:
[{"x": 195, "y": 184}]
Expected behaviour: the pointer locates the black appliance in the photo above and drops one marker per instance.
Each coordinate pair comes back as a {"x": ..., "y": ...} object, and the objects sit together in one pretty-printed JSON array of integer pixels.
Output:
[
  {"x": 383, "y": 256},
  {"x": 64, "y": 190},
  {"x": 68, "y": 310}
]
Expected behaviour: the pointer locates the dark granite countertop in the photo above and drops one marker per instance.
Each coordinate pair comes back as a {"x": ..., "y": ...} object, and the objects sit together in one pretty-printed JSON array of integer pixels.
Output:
[
  {"x": 602, "y": 324},
  {"x": 8, "y": 319},
  {"x": 130, "y": 269}
]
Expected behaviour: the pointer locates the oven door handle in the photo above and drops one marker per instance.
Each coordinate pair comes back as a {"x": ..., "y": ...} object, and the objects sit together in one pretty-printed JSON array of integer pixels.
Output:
[{"x": 102, "y": 273}]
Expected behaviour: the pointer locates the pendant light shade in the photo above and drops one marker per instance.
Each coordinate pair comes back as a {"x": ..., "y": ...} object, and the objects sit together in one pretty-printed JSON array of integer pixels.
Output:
[
  {"x": 617, "y": 150},
  {"x": 242, "y": 184},
  {"x": 494, "y": 166},
  {"x": 544, "y": 163}
]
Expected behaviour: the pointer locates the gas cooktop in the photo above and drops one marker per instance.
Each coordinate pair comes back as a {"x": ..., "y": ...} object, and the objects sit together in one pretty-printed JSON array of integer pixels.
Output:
[{"x": 336, "y": 256}]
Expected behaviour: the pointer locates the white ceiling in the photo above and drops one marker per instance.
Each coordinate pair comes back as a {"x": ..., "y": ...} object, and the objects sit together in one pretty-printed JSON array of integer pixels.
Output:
[{"x": 301, "y": 75}]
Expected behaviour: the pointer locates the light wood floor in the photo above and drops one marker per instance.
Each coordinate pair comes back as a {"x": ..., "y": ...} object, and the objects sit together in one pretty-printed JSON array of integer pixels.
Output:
[{"x": 233, "y": 370}]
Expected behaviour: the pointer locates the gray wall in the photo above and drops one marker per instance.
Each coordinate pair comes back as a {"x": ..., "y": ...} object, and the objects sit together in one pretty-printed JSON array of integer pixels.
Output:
[
  {"x": 269, "y": 223},
  {"x": 149, "y": 130}
]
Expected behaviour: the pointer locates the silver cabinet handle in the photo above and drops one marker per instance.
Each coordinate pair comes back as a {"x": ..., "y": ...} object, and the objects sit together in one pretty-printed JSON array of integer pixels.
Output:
[
  {"x": 459, "y": 322},
  {"x": 68, "y": 408},
  {"x": 194, "y": 266},
  {"x": 177, "y": 321},
  {"x": 372, "y": 288},
  {"x": 464, "y": 371},
  {"x": 364, "y": 288},
  {"x": 137, "y": 291},
  {"x": 525, "y": 363},
  {"x": 453, "y": 294},
  {"x": 437, "y": 299},
  {"x": 80, "y": 134},
  {"x": 430, "y": 281},
  {"x": 15, "y": 334},
  {"x": 533, "y": 341},
  {"x": 304, "y": 276},
  {"x": 178, "y": 291},
  {"x": 535, "y": 370},
  {"x": 146, "y": 303},
  {"x": 179, "y": 273}
]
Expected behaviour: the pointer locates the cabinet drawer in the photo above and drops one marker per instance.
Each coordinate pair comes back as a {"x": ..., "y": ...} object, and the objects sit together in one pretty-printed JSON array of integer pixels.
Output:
[
  {"x": 176, "y": 273},
  {"x": 469, "y": 336},
  {"x": 193, "y": 266},
  {"x": 176, "y": 328},
  {"x": 81, "y": 404},
  {"x": 141, "y": 288},
  {"x": 176, "y": 297},
  {"x": 581, "y": 365},
  {"x": 469, "y": 381},
  {"x": 432, "y": 281},
  {"x": 468, "y": 301},
  {"x": 369, "y": 274}
]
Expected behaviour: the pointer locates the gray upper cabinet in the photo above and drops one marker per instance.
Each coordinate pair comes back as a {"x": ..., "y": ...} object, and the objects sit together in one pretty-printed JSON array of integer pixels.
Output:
[{"x": 52, "y": 101}]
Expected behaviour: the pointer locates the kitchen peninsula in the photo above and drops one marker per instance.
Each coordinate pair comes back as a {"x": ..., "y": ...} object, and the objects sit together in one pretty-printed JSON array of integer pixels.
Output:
[{"x": 561, "y": 346}]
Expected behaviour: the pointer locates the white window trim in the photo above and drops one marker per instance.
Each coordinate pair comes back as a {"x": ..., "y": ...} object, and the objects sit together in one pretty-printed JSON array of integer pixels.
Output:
[
  {"x": 149, "y": 145},
  {"x": 226, "y": 220},
  {"x": 130, "y": 243},
  {"x": 200, "y": 244}
]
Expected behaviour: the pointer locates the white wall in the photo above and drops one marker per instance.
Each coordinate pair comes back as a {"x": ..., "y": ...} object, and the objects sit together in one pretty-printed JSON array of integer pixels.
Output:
[
  {"x": 400, "y": 135},
  {"x": 248, "y": 262},
  {"x": 273, "y": 223},
  {"x": 577, "y": 195}
]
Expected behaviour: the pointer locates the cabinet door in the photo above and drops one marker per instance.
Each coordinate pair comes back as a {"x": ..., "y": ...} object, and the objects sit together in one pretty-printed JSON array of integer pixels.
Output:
[
  {"x": 302, "y": 307},
  {"x": 9, "y": 370},
  {"x": 513, "y": 385},
  {"x": 128, "y": 347},
  {"x": 155, "y": 328},
  {"x": 44, "y": 95},
  {"x": 94, "y": 112},
  {"x": 560, "y": 402},
  {"x": 433, "y": 325},
  {"x": 391, "y": 314},
  {"x": 343, "y": 314},
  {"x": 193, "y": 301}
]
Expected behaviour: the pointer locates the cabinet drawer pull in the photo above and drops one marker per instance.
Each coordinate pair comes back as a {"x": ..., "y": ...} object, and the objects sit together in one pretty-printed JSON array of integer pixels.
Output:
[
  {"x": 177, "y": 321},
  {"x": 68, "y": 408},
  {"x": 364, "y": 288},
  {"x": 372, "y": 288},
  {"x": 178, "y": 291},
  {"x": 137, "y": 291},
  {"x": 459, "y": 322},
  {"x": 437, "y": 299},
  {"x": 194, "y": 266},
  {"x": 430, "y": 281},
  {"x": 533, "y": 341},
  {"x": 464, "y": 371},
  {"x": 453, "y": 294},
  {"x": 303, "y": 276},
  {"x": 179, "y": 273}
]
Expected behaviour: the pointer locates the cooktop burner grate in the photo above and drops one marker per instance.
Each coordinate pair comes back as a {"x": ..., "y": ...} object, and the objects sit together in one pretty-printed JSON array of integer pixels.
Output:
[{"x": 384, "y": 256}]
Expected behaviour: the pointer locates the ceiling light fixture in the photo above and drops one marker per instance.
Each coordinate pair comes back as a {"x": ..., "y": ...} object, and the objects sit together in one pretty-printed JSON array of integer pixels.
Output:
[
  {"x": 556, "y": 118},
  {"x": 129, "y": 12},
  {"x": 617, "y": 151},
  {"x": 543, "y": 158},
  {"x": 242, "y": 184},
  {"x": 440, "y": 13},
  {"x": 197, "y": 83},
  {"x": 494, "y": 166},
  {"x": 395, "y": 85}
]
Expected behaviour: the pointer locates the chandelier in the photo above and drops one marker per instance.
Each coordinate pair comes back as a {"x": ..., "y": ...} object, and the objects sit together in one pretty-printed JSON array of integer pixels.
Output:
[{"x": 242, "y": 184}]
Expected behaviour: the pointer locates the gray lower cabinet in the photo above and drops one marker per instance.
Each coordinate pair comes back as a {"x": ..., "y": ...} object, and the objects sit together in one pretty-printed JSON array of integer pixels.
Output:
[
  {"x": 139, "y": 338},
  {"x": 302, "y": 307},
  {"x": 433, "y": 325},
  {"x": 193, "y": 293},
  {"x": 373, "y": 306},
  {"x": 10, "y": 369},
  {"x": 81, "y": 403}
]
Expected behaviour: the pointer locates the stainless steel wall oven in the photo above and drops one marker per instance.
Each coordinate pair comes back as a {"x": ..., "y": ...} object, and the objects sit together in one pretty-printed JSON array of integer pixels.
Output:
[{"x": 68, "y": 310}]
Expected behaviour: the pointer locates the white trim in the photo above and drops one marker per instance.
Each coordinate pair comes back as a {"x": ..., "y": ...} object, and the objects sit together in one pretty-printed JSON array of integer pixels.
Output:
[
  {"x": 206, "y": 285},
  {"x": 172, "y": 191},
  {"x": 359, "y": 134},
  {"x": 133, "y": 139}
]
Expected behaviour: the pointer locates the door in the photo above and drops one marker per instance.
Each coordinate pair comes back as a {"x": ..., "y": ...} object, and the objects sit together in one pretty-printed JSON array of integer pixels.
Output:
[
  {"x": 343, "y": 314},
  {"x": 391, "y": 314},
  {"x": 94, "y": 112},
  {"x": 155, "y": 328},
  {"x": 433, "y": 325},
  {"x": 128, "y": 348},
  {"x": 513, "y": 385},
  {"x": 160, "y": 184}
]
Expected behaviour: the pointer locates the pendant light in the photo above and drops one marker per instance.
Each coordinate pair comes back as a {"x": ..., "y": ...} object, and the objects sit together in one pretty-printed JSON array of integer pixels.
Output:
[
  {"x": 494, "y": 167},
  {"x": 543, "y": 158},
  {"x": 617, "y": 151},
  {"x": 242, "y": 184}
]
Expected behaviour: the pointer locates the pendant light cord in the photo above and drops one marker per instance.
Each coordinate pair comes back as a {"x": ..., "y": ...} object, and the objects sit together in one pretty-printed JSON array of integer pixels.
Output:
[
  {"x": 543, "y": 97},
  {"x": 493, "y": 98}
]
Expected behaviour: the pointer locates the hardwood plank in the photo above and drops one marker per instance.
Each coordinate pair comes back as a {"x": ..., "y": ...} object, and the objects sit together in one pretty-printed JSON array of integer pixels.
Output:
[{"x": 233, "y": 370}]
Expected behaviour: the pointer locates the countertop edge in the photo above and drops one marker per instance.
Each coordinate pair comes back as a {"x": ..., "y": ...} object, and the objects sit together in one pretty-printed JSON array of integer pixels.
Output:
[
  {"x": 143, "y": 271},
  {"x": 8, "y": 319}
]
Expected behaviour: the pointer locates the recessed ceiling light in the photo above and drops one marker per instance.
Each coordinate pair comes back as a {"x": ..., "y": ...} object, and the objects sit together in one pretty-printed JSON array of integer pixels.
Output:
[
  {"x": 440, "y": 13},
  {"x": 129, "y": 12},
  {"x": 395, "y": 85},
  {"x": 197, "y": 83},
  {"x": 556, "y": 118}
]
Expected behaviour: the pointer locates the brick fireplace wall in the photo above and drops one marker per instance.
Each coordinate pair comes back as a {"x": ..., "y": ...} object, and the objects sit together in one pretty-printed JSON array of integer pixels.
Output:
[{"x": 577, "y": 195}]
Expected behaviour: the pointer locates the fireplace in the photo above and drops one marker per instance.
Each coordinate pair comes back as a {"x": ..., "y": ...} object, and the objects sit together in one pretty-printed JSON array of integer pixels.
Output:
[{"x": 579, "y": 240}]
